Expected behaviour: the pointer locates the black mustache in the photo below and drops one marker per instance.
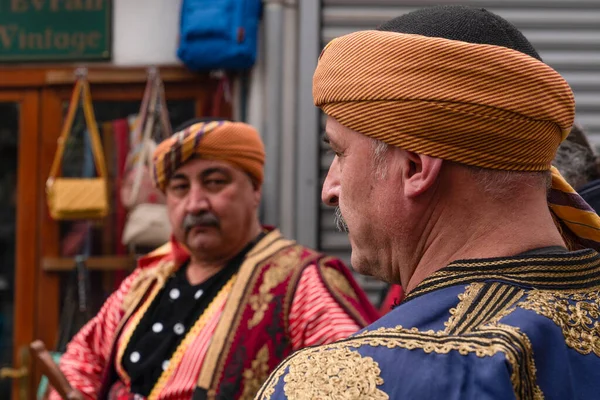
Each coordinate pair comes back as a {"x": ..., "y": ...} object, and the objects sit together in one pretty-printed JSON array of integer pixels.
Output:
[{"x": 204, "y": 219}]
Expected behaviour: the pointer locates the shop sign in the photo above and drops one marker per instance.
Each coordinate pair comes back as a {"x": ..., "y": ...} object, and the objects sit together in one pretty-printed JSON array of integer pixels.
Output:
[{"x": 55, "y": 30}]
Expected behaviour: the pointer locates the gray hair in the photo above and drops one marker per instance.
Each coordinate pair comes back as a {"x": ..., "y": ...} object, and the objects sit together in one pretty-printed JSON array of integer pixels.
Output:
[
  {"x": 499, "y": 184},
  {"x": 495, "y": 183},
  {"x": 576, "y": 163},
  {"x": 379, "y": 150}
]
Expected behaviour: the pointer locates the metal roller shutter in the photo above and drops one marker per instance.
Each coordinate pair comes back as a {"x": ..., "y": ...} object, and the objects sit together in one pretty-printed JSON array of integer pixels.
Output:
[{"x": 565, "y": 33}]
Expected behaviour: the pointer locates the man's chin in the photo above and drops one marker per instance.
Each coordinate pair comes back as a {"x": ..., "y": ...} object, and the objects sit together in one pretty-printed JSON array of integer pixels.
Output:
[{"x": 201, "y": 237}]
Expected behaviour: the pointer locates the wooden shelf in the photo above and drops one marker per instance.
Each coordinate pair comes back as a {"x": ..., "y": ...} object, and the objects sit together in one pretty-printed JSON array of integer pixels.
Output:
[{"x": 101, "y": 263}]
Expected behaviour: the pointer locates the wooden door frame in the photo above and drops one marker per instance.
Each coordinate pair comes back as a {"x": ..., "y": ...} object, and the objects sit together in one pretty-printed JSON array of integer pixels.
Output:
[
  {"x": 26, "y": 249},
  {"x": 37, "y": 304}
]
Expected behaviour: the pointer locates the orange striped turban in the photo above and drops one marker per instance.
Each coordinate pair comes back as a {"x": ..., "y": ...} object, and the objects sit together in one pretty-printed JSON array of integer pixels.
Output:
[
  {"x": 234, "y": 142},
  {"x": 476, "y": 104}
]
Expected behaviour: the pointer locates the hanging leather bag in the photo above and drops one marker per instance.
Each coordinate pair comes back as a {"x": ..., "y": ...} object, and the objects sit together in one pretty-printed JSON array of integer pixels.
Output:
[
  {"x": 147, "y": 223},
  {"x": 78, "y": 198}
]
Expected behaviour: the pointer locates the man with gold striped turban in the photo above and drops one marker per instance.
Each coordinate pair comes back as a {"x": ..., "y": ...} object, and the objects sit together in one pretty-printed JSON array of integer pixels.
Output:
[
  {"x": 210, "y": 314},
  {"x": 444, "y": 123}
]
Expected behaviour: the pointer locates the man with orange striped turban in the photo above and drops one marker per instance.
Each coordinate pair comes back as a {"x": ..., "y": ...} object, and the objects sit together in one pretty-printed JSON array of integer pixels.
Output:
[
  {"x": 444, "y": 123},
  {"x": 210, "y": 314}
]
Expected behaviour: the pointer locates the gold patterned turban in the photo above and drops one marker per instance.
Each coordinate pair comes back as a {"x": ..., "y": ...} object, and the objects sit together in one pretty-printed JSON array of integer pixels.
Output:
[
  {"x": 234, "y": 142},
  {"x": 476, "y": 104}
]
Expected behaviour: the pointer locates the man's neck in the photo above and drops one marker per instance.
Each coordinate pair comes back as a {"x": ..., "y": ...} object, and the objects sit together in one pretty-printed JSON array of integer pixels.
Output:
[
  {"x": 467, "y": 233},
  {"x": 200, "y": 268}
]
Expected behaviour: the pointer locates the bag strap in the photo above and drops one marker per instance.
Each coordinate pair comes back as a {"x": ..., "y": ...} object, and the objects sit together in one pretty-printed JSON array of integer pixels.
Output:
[
  {"x": 142, "y": 156},
  {"x": 143, "y": 113},
  {"x": 167, "y": 131},
  {"x": 81, "y": 87}
]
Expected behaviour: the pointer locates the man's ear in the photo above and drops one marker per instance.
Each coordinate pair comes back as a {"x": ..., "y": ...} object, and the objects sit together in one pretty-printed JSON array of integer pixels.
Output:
[
  {"x": 420, "y": 173},
  {"x": 257, "y": 195}
]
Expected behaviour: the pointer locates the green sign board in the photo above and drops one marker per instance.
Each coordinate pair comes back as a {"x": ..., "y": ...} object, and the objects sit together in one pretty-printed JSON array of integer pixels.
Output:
[{"x": 55, "y": 30}]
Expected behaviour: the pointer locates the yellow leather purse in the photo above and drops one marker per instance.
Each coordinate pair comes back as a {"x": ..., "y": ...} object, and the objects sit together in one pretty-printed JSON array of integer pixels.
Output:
[{"x": 78, "y": 198}]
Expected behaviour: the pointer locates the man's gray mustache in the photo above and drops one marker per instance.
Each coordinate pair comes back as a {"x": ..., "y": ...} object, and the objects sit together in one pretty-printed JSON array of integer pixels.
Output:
[
  {"x": 204, "y": 219},
  {"x": 340, "y": 223}
]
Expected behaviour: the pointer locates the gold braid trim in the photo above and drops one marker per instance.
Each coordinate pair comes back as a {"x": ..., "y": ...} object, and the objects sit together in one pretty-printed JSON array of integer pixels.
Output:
[
  {"x": 473, "y": 327},
  {"x": 482, "y": 344},
  {"x": 145, "y": 279},
  {"x": 547, "y": 271},
  {"x": 192, "y": 334},
  {"x": 480, "y": 304},
  {"x": 575, "y": 313},
  {"x": 130, "y": 328}
]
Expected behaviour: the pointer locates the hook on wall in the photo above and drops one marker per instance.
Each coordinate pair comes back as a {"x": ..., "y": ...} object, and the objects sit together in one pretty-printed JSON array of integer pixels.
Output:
[
  {"x": 152, "y": 71},
  {"x": 81, "y": 73}
]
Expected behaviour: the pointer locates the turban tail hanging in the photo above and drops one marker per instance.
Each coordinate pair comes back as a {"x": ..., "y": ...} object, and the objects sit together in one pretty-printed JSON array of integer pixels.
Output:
[
  {"x": 233, "y": 142},
  {"x": 479, "y": 105}
]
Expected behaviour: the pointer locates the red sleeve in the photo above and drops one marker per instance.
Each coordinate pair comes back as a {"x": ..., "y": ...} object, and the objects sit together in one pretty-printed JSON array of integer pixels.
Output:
[
  {"x": 87, "y": 353},
  {"x": 315, "y": 315}
]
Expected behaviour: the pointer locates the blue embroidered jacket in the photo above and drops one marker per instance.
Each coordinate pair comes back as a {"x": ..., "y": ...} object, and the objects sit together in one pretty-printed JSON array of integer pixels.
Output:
[{"x": 524, "y": 327}]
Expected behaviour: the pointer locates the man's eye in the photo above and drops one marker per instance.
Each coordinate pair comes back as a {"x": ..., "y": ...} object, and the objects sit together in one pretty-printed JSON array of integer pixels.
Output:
[
  {"x": 179, "y": 187},
  {"x": 215, "y": 182},
  {"x": 331, "y": 151}
]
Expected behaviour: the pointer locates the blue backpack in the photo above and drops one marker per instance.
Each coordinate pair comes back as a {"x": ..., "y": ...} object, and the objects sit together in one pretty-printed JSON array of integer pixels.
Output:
[{"x": 219, "y": 34}]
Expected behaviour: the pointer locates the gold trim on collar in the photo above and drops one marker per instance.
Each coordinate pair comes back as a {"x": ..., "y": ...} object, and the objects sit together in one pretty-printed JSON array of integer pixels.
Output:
[{"x": 578, "y": 270}]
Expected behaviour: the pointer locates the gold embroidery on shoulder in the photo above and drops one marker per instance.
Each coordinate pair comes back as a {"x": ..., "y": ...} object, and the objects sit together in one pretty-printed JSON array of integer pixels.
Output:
[
  {"x": 257, "y": 374},
  {"x": 476, "y": 317},
  {"x": 331, "y": 374},
  {"x": 494, "y": 339},
  {"x": 279, "y": 270},
  {"x": 465, "y": 300},
  {"x": 575, "y": 313},
  {"x": 481, "y": 304},
  {"x": 337, "y": 280}
]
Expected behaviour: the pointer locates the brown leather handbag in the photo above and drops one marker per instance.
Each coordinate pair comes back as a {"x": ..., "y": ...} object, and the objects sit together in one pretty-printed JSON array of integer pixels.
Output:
[{"x": 78, "y": 198}]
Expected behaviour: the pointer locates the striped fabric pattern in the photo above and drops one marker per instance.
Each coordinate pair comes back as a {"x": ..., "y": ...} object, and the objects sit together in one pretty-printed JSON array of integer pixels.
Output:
[
  {"x": 315, "y": 318},
  {"x": 573, "y": 212},
  {"x": 480, "y": 105},
  {"x": 233, "y": 142}
]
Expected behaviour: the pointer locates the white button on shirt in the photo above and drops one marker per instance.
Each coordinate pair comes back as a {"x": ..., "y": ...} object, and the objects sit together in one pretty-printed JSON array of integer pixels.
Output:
[
  {"x": 174, "y": 294},
  {"x": 157, "y": 327},
  {"x": 134, "y": 357},
  {"x": 179, "y": 329},
  {"x": 198, "y": 294}
]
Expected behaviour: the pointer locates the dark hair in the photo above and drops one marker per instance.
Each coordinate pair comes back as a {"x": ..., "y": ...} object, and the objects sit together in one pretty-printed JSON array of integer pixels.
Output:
[{"x": 467, "y": 24}]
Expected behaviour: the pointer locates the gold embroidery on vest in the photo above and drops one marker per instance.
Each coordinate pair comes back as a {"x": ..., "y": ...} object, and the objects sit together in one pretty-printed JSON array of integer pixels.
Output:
[
  {"x": 331, "y": 374},
  {"x": 274, "y": 275},
  {"x": 575, "y": 313},
  {"x": 482, "y": 339},
  {"x": 257, "y": 374},
  {"x": 338, "y": 281},
  {"x": 482, "y": 304}
]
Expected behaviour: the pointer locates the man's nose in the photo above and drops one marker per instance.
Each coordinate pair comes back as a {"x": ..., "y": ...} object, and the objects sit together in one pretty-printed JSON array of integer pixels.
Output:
[
  {"x": 197, "y": 200},
  {"x": 330, "y": 194}
]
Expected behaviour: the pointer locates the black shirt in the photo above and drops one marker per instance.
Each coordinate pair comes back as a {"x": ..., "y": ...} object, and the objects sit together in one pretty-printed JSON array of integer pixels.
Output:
[{"x": 173, "y": 312}]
